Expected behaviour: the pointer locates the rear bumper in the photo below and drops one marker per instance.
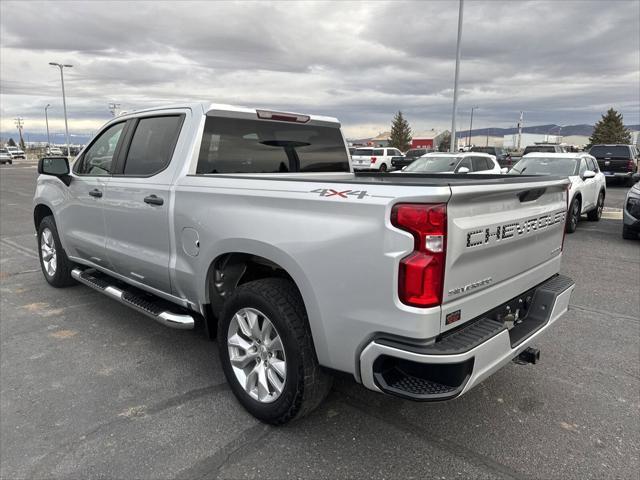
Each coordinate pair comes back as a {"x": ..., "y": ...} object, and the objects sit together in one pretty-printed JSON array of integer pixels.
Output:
[
  {"x": 450, "y": 367},
  {"x": 617, "y": 174}
]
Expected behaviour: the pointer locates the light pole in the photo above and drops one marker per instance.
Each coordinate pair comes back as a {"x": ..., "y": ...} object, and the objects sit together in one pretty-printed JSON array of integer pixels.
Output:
[
  {"x": 46, "y": 119},
  {"x": 455, "y": 82},
  {"x": 64, "y": 101},
  {"x": 471, "y": 124}
]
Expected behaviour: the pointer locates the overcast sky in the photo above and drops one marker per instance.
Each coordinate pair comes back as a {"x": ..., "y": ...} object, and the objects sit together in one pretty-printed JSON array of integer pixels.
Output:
[{"x": 561, "y": 62}]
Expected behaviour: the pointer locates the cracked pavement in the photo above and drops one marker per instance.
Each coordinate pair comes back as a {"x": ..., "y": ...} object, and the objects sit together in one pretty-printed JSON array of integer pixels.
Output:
[{"x": 91, "y": 389}]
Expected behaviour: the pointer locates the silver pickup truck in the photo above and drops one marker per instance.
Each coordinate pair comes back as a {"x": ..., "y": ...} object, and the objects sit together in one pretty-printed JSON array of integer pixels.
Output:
[{"x": 251, "y": 225}]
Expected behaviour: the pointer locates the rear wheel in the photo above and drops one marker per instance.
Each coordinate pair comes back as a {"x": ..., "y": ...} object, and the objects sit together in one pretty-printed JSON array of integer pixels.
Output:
[
  {"x": 574, "y": 215},
  {"x": 55, "y": 265},
  {"x": 383, "y": 167},
  {"x": 595, "y": 214},
  {"x": 267, "y": 352}
]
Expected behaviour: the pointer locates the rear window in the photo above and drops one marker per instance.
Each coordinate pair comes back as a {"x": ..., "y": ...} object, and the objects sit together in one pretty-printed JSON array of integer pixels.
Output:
[
  {"x": 489, "y": 150},
  {"x": 416, "y": 153},
  {"x": 231, "y": 145},
  {"x": 539, "y": 148},
  {"x": 546, "y": 166},
  {"x": 364, "y": 152},
  {"x": 602, "y": 151},
  {"x": 152, "y": 145}
]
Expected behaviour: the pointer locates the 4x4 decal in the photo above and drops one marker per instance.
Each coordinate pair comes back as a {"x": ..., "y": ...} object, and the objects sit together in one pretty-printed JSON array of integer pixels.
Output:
[{"x": 330, "y": 192}]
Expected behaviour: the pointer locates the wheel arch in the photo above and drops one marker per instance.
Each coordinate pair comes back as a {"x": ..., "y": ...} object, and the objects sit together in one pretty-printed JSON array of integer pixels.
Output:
[
  {"x": 245, "y": 261},
  {"x": 41, "y": 211}
]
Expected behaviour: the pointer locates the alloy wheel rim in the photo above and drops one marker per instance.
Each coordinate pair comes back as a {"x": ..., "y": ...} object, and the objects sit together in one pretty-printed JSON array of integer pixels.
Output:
[
  {"x": 48, "y": 251},
  {"x": 257, "y": 355}
]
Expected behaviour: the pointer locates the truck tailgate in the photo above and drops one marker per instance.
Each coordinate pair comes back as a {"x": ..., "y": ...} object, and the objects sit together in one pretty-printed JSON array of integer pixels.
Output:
[{"x": 494, "y": 235}]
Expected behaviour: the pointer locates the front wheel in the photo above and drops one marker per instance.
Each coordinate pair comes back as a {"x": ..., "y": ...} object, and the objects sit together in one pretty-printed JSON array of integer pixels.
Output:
[
  {"x": 595, "y": 214},
  {"x": 55, "y": 265},
  {"x": 267, "y": 352},
  {"x": 574, "y": 216}
]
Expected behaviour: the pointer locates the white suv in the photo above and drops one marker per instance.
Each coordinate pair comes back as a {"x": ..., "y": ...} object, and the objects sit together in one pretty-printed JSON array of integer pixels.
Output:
[
  {"x": 588, "y": 184},
  {"x": 371, "y": 158}
]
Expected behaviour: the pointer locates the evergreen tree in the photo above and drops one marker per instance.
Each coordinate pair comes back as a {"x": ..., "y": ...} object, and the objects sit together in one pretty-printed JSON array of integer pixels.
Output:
[
  {"x": 445, "y": 142},
  {"x": 400, "y": 137},
  {"x": 610, "y": 129},
  {"x": 11, "y": 142}
]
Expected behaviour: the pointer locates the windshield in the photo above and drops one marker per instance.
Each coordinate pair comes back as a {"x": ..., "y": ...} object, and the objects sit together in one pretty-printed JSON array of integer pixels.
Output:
[
  {"x": 539, "y": 148},
  {"x": 601, "y": 151},
  {"x": 433, "y": 164},
  {"x": 546, "y": 166}
]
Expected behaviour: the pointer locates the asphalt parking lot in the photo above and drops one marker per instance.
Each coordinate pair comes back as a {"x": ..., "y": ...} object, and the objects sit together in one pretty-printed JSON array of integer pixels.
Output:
[{"x": 89, "y": 388}]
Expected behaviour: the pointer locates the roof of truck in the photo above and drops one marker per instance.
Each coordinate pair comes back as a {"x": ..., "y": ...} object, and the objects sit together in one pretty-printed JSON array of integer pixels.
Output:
[{"x": 213, "y": 108}]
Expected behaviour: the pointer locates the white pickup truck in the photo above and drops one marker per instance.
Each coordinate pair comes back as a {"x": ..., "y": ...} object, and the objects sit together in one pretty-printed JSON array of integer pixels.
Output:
[{"x": 252, "y": 225}]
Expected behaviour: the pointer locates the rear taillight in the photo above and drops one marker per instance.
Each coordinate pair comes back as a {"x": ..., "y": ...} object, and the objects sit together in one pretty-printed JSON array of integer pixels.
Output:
[
  {"x": 373, "y": 159},
  {"x": 421, "y": 276},
  {"x": 630, "y": 166}
]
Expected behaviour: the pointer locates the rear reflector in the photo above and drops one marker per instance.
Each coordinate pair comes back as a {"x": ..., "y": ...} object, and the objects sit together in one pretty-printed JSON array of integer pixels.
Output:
[
  {"x": 282, "y": 117},
  {"x": 421, "y": 276}
]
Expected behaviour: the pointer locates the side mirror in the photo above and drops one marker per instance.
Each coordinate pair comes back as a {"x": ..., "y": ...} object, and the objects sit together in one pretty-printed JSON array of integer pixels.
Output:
[
  {"x": 588, "y": 174},
  {"x": 55, "y": 166},
  {"x": 403, "y": 169},
  {"x": 504, "y": 170},
  {"x": 462, "y": 170}
]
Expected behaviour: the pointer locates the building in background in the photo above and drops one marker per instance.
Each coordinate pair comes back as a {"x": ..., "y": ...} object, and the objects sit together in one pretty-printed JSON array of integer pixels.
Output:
[
  {"x": 428, "y": 139},
  {"x": 511, "y": 141}
]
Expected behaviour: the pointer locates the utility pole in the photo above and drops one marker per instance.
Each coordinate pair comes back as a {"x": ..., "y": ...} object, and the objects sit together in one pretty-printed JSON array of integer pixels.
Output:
[
  {"x": 520, "y": 123},
  {"x": 114, "y": 108},
  {"x": 471, "y": 124},
  {"x": 46, "y": 119},
  {"x": 20, "y": 125},
  {"x": 64, "y": 102},
  {"x": 455, "y": 82}
]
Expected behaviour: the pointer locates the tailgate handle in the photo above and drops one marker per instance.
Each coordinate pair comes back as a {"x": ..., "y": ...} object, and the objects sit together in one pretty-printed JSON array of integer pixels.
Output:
[{"x": 531, "y": 195}]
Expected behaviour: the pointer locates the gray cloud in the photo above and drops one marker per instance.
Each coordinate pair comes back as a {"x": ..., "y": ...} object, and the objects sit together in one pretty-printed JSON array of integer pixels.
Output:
[{"x": 561, "y": 62}]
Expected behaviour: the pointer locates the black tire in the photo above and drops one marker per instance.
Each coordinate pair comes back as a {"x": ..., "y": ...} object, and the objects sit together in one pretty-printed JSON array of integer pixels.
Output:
[
  {"x": 306, "y": 384},
  {"x": 628, "y": 234},
  {"x": 573, "y": 216},
  {"x": 62, "y": 275},
  {"x": 595, "y": 214},
  {"x": 383, "y": 167},
  {"x": 10, "y": 162}
]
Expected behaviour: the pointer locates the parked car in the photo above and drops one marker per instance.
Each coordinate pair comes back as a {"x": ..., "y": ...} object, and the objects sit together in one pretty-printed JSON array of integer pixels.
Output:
[
  {"x": 631, "y": 211},
  {"x": 588, "y": 185},
  {"x": 409, "y": 156},
  {"x": 54, "y": 151},
  {"x": 16, "y": 152},
  {"x": 5, "y": 156},
  {"x": 370, "y": 158},
  {"x": 543, "y": 148},
  {"x": 502, "y": 156},
  {"x": 266, "y": 238},
  {"x": 617, "y": 161},
  {"x": 468, "y": 162}
]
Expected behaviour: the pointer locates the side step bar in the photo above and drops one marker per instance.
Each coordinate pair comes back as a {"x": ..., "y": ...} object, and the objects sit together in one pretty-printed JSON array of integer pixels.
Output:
[{"x": 137, "y": 302}]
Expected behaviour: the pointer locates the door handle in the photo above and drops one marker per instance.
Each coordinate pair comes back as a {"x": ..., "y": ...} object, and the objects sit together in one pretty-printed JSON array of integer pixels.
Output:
[
  {"x": 153, "y": 200},
  {"x": 95, "y": 193}
]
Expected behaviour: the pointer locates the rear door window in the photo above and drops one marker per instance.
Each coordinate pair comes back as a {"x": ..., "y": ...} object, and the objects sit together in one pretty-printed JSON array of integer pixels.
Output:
[
  {"x": 378, "y": 152},
  {"x": 479, "y": 164},
  {"x": 235, "y": 145},
  {"x": 152, "y": 145}
]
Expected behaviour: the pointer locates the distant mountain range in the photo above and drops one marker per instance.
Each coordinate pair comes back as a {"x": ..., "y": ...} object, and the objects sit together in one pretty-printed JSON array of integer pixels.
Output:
[{"x": 552, "y": 129}]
